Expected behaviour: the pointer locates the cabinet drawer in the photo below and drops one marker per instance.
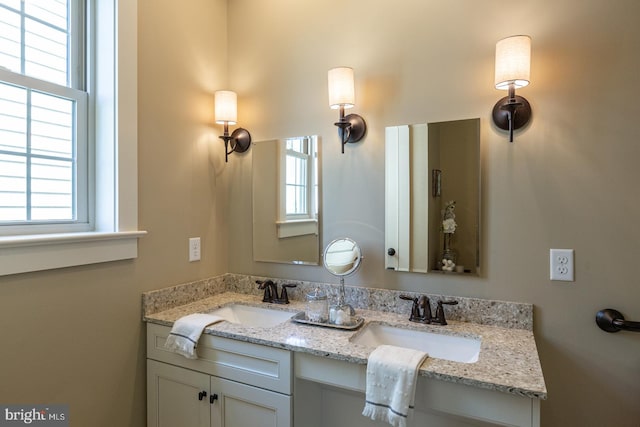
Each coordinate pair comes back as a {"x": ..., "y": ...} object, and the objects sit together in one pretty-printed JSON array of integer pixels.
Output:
[{"x": 260, "y": 366}]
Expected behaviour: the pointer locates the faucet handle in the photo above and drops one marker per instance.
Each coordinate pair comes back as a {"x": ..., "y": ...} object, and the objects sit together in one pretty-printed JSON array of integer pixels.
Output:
[
  {"x": 415, "y": 310},
  {"x": 283, "y": 296},
  {"x": 265, "y": 285},
  {"x": 440, "y": 319}
]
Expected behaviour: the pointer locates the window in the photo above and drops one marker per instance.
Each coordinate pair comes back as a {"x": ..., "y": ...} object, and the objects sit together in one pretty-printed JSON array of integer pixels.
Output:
[
  {"x": 298, "y": 187},
  {"x": 68, "y": 126},
  {"x": 301, "y": 178},
  {"x": 43, "y": 117}
]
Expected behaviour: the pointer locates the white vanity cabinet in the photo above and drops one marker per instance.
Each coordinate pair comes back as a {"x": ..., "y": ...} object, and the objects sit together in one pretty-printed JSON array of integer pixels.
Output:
[{"x": 231, "y": 384}]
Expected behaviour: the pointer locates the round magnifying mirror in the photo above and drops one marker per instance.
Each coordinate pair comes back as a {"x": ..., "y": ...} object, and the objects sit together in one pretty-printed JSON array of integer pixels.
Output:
[{"x": 342, "y": 257}]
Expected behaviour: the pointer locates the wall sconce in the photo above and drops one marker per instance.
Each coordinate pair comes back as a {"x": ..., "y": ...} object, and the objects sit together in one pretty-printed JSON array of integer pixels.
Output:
[
  {"x": 351, "y": 128},
  {"x": 513, "y": 63},
  {"x": 227, "y": 114}
]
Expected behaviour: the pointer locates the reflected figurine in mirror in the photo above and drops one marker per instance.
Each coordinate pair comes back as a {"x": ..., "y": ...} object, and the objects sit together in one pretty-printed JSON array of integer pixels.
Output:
[{"x": 342, "y": 257}]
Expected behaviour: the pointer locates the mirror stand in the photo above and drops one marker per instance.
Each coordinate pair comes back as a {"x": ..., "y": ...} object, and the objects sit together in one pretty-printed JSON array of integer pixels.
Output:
[{"x": 342, "y": 300}]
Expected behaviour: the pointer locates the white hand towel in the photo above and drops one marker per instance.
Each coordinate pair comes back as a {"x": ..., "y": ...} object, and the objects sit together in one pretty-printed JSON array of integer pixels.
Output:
[
  {"x": 186, "y": 331},
  {"x": 391, "y": 383}
]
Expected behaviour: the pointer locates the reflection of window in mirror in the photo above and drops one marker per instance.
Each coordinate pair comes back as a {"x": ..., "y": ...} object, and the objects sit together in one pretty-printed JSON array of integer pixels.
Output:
[
  {"x": 298, "y": 189},
  {"x": 300, "y": 179}
]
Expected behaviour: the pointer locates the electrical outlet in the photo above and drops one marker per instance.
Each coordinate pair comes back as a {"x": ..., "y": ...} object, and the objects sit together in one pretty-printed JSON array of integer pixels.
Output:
[
  {"x": 561, "y": 264},
  {"x": 194, "y": 249}
]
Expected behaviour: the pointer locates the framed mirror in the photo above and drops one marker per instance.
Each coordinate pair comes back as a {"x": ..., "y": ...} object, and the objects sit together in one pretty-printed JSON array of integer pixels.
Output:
[
  {"x": 286, "y": 195},
  {"x": 432, "y": 197}
]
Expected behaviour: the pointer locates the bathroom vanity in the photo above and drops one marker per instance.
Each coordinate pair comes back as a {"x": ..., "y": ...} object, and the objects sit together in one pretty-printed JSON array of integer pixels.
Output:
[
  {"x": 235, "y": 382},
  {"x": 295, "y": 374}
]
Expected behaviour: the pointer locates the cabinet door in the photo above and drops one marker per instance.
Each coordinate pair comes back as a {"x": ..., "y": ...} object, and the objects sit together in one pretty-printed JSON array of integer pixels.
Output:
[
  {"x": 240, "y": 405},
  {"x": 174, "y": 397}
]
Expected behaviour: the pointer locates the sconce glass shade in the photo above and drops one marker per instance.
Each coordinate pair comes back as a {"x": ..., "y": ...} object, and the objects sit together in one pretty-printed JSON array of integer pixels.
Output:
[
  {"x": 226, "y": 107},
  {"x": 341, "y": 88},
  {"x": 513, "y": 62}
]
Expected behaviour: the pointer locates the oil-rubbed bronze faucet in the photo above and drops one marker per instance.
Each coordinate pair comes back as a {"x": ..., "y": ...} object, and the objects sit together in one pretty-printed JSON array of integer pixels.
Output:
[
  {"x": 421, "y": 310},
  {"x": 425, "y": 306},
  {"x": 271, "y": 291}
]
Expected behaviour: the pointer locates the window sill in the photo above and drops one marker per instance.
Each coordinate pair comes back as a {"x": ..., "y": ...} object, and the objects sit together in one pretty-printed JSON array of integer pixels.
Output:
[
  {"x": 21, "y": 254},
  {"x": 297, "y": 227}
]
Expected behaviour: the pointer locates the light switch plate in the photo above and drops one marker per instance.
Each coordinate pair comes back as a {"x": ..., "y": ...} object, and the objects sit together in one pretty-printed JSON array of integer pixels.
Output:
[{"x": 561, "y": 264}]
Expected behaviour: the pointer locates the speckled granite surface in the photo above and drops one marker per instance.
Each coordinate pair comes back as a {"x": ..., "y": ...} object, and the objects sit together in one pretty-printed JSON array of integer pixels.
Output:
[
  {"x": 166, "y": 298},
  {"x": 508, "y": 360},
  {"x": 485, "y": 312}
]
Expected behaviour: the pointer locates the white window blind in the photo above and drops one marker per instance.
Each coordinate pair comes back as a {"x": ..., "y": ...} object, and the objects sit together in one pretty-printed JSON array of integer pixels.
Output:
[{"x": 43, "y": 116}]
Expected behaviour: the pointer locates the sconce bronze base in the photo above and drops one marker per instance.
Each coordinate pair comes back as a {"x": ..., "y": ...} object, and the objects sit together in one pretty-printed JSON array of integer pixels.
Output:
[
  {"x": 356, "y": 129},
  {"x": 507, "y": 108},
  {"x": 239, "y": 141},
  {"x": 351, "y": 128},
  {"x": 242, "y": 140}
]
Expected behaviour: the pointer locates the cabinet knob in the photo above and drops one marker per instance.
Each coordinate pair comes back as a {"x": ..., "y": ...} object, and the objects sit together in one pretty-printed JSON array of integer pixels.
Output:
[
  {"x": 213, "y": 398},
  {"x": 202, "y": 395},
  {"x": 391, "y": 252}
]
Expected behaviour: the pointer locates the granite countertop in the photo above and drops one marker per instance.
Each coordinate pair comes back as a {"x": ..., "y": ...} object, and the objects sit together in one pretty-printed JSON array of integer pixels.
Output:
[{"x": 508, "y": 360}]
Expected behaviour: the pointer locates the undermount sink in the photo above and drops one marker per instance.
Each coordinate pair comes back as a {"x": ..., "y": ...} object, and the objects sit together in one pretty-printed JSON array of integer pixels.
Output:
[
  {"x": 439, "y": 346},
  {"x": 248, "y": 315}
]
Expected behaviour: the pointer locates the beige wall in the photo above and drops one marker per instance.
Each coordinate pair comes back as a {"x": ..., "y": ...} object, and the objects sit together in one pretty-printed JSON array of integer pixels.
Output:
[
  {"x": 74, "y": 335},
  {"x": 568, "y": 180}
]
